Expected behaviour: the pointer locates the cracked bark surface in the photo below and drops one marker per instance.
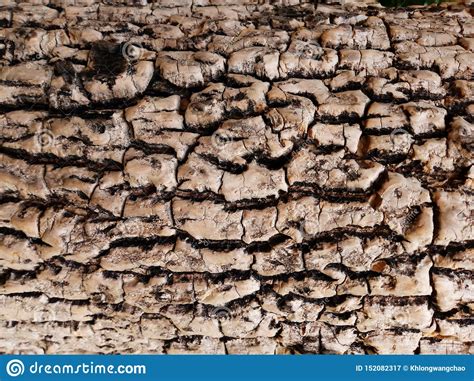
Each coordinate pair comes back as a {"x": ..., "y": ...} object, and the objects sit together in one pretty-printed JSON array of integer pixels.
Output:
[{"x": 225, "y": 176}]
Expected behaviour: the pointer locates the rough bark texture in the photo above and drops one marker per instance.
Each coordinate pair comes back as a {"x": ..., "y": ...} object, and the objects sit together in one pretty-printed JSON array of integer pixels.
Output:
[{"x": 225, "y": 176}]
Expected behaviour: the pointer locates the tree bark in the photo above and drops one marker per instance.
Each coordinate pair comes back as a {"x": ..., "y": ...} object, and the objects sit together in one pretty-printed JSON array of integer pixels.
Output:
[{"x": 225, "y": 176}]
